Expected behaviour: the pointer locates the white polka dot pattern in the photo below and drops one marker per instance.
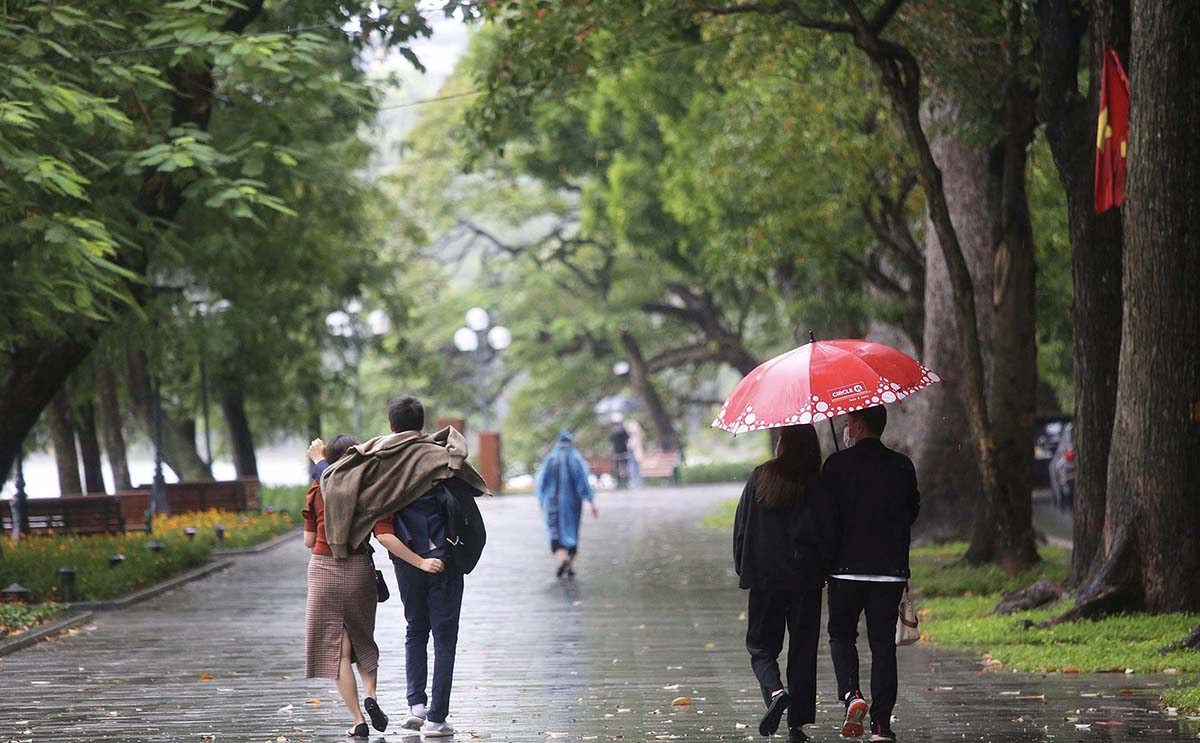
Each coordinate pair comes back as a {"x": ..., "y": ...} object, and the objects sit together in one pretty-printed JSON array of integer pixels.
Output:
[{"x": 821, "y": 380}]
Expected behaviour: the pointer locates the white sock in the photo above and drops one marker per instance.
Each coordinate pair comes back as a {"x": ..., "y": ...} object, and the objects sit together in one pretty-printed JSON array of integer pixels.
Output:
[{"x": 418, "y": 710}]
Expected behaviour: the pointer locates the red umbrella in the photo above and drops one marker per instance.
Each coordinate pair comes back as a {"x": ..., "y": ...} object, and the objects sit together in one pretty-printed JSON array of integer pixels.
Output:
[{"x": 820, "y": 380}]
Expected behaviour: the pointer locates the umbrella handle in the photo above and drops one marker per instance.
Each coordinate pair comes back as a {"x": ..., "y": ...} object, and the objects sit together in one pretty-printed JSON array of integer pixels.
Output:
[{"x": 833, "y": 435}]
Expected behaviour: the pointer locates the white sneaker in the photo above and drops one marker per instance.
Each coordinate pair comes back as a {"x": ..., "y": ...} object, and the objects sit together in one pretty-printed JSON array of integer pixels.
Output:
[
  {"x": 437, "y": 730},
  {"x": 415, "y": 719}
]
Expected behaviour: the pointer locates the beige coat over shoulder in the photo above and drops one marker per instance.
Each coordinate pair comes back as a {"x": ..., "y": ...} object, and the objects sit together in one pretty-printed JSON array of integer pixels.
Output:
[{"x": 380, "y": 476}]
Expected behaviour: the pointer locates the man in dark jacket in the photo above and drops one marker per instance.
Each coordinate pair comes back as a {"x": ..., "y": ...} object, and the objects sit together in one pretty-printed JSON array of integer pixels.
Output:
[{"x": 875, "y": 489}]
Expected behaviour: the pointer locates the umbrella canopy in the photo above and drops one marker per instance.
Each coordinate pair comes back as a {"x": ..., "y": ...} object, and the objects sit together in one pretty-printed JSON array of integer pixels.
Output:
[
  {"x": 821, "y": 380},
  {"x": 617, "y": 404}
]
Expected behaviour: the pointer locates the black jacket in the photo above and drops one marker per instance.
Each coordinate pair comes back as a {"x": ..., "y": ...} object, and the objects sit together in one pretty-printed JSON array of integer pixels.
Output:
[
  {"x": 875, "y": 490},
  {"x": 785, "y": 549}
]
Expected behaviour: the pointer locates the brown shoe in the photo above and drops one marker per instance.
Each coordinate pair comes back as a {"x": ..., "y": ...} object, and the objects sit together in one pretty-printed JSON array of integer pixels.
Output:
[{"x": 856, "y": 712}]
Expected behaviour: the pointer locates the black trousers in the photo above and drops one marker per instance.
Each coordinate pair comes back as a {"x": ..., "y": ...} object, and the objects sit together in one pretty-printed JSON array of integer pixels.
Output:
[
  {"x": 769, "y": 613},
  {"x": 432, "y": 604},
  {"x": 848, "y": 599}
]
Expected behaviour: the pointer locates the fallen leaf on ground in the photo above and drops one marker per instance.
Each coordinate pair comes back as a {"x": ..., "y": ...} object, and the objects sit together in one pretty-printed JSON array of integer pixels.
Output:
[
  {"x": 709, "y": 645},
  {"x": 671, "y": 687},
  {"x": 314, "y": 702},
  {"x": 681, "y": 701},
  {"x": 206, "y": 677}
]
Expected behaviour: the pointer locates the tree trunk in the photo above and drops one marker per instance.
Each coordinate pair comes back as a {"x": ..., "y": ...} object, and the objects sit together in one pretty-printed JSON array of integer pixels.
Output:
[
  {"x": 110, "y": 420},
  {"x": 179, "y": 451},
  {"x": 240, "y": 439},
  {"x": 664, "y": 428},
  {"x": 1003, "y": 532},
  {"x": 946, "y": 463},
  {"x": 1156, "y": 430},
  {"x": 62, "y": 435},
  {"x": 89, "y": 447},
  {"x": 1096, "y": 246}
]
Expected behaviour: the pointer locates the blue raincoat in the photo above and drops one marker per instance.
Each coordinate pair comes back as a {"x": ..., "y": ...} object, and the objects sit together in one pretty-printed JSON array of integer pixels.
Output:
[{"x": 562, "y": 487}]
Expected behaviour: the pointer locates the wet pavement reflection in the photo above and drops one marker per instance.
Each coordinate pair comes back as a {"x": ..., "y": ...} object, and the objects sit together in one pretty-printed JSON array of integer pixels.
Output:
[{"x": 653, "y": 616}]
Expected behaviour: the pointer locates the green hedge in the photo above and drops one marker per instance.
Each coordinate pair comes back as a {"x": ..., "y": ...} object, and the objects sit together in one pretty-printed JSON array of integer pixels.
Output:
[
  {"x": 17, "y": 617},
  {"x": 696, "y": 474},
  {"x": 288, "y": 498}
]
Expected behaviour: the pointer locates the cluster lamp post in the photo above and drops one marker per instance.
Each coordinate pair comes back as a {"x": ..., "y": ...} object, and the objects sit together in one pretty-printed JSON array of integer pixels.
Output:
[{"x": 356, "y": 328}]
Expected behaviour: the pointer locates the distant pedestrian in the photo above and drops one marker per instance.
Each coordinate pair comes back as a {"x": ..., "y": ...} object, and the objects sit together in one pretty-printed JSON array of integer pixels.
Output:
[
  {"x": 875, "y": 490},
  {"x": 637, "y": 452},
  {"x": 618, "y": 437},
  {"x": 781, "y": 552},
  {"x": 341, "y": 604},
  {"x": 562, "y": 486},
  {"x": 408, "y": 477}
]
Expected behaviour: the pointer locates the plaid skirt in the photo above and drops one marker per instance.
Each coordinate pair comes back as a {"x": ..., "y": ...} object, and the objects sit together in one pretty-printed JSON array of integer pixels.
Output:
[{"x": 341, "y": 594}]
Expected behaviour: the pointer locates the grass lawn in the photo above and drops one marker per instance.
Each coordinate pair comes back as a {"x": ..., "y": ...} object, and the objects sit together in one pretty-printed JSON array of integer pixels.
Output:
[
  {"x": 34, "y": 562},
  {"x": 955, "y": 602}
]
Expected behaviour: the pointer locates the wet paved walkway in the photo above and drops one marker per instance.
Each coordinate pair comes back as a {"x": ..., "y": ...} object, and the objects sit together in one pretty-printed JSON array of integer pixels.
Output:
[{"x": 653, "y": 615}]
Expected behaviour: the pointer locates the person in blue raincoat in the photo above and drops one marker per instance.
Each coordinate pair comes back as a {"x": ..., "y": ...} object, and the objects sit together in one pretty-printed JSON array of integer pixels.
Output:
[{"x": 562, "y": 487}]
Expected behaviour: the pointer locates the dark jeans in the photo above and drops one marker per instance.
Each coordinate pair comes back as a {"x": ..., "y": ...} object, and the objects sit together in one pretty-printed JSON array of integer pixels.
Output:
[
  {"x": 768, "y": 614},
  {"x": 431, "y": 604},
  {"x": 848, "y": 599}
]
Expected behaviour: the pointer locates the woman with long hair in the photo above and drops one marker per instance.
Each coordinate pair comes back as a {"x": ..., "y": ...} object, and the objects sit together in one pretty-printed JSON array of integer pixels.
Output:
[
  {"x": 781, "y": 552},
  {"x": 342, "y": 599}
]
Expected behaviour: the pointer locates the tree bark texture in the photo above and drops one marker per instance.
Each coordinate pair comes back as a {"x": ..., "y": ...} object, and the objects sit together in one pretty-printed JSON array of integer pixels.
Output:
[
  {"x": 89, "y": 447},
  {"x": 241, "y": 441},
  {"x": 639, "y": 377},
  {"x": 111, "y": 422},
  {"x": 1096, "y": 247},
  {"x": 62, "y": 436},
  {"x": 1003, "y": 532},
  {"x": 1156, "y": 430},
  {"x": 947, "y": 465}
]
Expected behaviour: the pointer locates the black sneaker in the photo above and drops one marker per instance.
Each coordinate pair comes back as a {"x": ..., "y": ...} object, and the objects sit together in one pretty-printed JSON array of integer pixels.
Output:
[
  {"x": 378, "y": 719},
  {"x": 770, "y": 719},
  {"x": 797, "y": 735},
  {"x": 881, "y": 732},
  {"x": 856, "y": 712}
]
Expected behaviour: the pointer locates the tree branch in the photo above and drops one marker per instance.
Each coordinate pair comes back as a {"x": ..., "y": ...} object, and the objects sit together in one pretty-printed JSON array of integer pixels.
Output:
[{"x": 695, "y": 354}]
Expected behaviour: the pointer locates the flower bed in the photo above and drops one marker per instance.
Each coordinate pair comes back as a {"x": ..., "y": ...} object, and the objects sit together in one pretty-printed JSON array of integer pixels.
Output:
[{"x": 34, "y": 562}]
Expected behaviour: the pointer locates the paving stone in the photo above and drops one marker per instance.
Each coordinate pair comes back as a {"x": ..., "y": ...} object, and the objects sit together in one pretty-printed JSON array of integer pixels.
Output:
[{"x": 654, "y": 614}]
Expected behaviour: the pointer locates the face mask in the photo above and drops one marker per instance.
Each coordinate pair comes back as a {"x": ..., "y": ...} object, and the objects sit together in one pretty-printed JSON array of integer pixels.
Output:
[{"x": 847, "y": 439}]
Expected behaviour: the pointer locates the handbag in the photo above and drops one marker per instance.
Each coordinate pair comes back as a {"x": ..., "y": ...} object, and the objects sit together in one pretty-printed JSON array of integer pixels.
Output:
[
  {"x": 907, "y": 632},
  {"x": 381, "y": 587}
]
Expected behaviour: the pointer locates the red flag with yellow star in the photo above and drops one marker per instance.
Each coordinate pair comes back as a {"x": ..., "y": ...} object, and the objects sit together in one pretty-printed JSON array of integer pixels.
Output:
[{"x": 1112, "y": 133}]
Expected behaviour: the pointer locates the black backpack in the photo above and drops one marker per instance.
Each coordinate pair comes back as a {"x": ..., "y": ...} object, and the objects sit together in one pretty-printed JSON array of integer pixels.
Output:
[{"x": 465, "y": 532}]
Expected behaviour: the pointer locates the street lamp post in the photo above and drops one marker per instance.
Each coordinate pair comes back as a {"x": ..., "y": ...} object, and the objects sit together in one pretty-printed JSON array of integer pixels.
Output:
[
  {"x": 355, "y": 327},
  {"x": 477, "y": 335},
  {"x": 201, "y": 310},
  {"x": 158, "y": 487}
]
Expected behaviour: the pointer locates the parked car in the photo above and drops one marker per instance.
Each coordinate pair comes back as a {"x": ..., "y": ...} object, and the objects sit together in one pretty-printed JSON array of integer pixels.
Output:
[
  {"x": 1062, "y": 469},
  {"x": 1047, "y": 433}
]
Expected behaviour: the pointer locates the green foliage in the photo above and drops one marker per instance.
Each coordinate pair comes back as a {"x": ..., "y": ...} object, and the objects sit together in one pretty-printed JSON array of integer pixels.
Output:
[
  {"x": 34, "y": 561},
  {"x": 288, "y": 498},
  {"x": 16, "y": 618}
]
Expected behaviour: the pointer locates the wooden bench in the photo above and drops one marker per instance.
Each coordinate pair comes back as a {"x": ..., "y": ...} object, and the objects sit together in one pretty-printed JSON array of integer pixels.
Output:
[
  {"x": 656, "y": 464},
  {"x": 182, "y": 497},
  {"x": 73, "y": 514},
  {"x": 661, "y": 464}
]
